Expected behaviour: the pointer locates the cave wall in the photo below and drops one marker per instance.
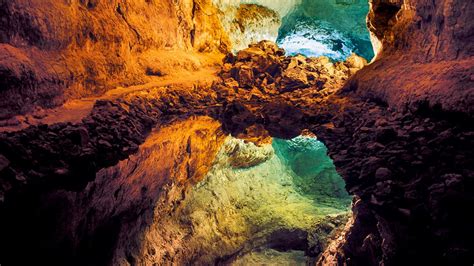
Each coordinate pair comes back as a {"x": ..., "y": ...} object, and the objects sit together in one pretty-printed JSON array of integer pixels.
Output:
[
  {"x": 402, "y": 167},
  {"x": 426, "y": 55},
  {"x": 282, "y": 7},
  {"x": 422, "y": 81},
  {"x": 327, "y": 27},
  {"x": 436, "y": 30},
  {"x": 56, "y": 50},
  {"x": 113, "y": 220},
  {"x": 250, "y": 21},
  {"x": 53, "y": 51}
]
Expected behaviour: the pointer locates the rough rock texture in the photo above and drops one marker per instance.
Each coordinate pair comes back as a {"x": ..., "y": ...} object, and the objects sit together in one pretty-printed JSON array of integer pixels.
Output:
[
  {"x": 51, "y": 51},
  {"x": 415, "y": 176},
  {"x": 236, "y": 210},
  {"x": 411, "y": 169},
  {"x": 413, "y": 173},
  {"x": 249, "y": 23},
  {"x": 426, "y": 55},
  {"x": 105, "y": 223},
  {"x": 263, "y": 68},
  {"x": 41, "y": 160},
  {"x": 282, "y": 7}
]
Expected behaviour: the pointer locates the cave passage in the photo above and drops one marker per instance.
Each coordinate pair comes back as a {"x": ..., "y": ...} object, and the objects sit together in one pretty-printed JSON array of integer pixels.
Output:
[
  {"x": 332, "y": 28},
  {"x": 265, "y": 204}
]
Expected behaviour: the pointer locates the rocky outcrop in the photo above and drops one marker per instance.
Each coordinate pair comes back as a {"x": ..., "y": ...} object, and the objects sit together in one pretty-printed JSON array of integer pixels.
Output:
[
  {"x": 265, "y": 68},
  {"x": 282, "y": 7},
  {"x": 426, "y": 55},
  {"x": 249, "y": 23},
  {"x": 412, "y": 192},
  {"x": 106, "y": 221}
]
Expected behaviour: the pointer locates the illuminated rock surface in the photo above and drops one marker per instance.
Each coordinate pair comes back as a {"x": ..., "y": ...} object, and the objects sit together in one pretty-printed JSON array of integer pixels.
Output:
[
  {"x": 53, "y": 51},
  {"x": 426, "y": 55},
  {"x": 249, "y": 23},
  {"x": 282, "y": 7},
  {"x": 327, "y": 28},
  {"x": 237, "y": 209},
  {"x": 94, "y": 181},
  {"x": 314, "y": 173}
]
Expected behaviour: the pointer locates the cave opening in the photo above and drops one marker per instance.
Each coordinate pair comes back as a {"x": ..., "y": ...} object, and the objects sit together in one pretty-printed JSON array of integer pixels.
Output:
[{"x": 332, "y": 28}]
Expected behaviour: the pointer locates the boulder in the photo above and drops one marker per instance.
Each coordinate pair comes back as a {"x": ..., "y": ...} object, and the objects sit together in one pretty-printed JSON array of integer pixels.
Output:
[
  {"x": 293, "y": 79},
  {"x": 355, "y": 61},
  {"x": 246, "y": 78},
  {"x": 251, "y": 54}
]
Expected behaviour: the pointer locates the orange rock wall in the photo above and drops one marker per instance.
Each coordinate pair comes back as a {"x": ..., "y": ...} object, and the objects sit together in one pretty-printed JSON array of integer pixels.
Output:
[
  {"x": 54, "y": 50},
  {"x": 426, "y": 56}
]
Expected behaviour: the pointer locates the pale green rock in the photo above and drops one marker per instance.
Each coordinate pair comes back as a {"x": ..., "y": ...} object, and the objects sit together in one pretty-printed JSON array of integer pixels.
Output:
[{"x": 269, "y": 196}]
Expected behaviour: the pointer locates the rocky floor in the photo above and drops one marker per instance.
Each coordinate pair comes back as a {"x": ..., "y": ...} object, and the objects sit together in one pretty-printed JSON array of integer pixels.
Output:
[
  {"x": 410, "y": 169},
  {"x": 75, "y": 110},
  {"x": 273, "y": 257}
]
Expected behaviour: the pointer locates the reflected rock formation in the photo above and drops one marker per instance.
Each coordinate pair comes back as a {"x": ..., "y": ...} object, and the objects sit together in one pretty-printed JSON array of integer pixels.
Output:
[{"x": 169, "y": 132}]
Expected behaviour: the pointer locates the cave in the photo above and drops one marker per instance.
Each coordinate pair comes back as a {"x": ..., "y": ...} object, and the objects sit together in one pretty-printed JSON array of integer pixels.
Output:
[{"x": 236, "y": 132}]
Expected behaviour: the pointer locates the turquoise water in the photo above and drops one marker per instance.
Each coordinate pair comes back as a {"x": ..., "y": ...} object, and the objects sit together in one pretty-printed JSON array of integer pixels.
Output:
[
  {"x": 314, "y": 172},
  {"x": 332, "y": 28}
]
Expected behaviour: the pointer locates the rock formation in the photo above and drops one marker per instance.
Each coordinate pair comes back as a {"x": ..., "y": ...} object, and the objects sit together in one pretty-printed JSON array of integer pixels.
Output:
[
  {"x": 427, "y": 43},
  {"x": 282, "y": 7},
  {"x": 327, "y": 27},
  {"x": 249, "y": 23},
  {"x": 130, "y": 174},
  {"x": 52, "y": 51}
]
